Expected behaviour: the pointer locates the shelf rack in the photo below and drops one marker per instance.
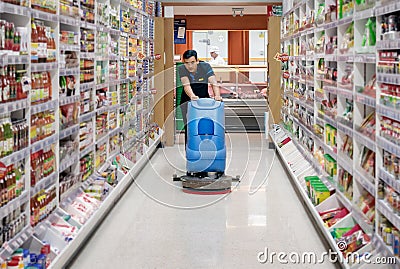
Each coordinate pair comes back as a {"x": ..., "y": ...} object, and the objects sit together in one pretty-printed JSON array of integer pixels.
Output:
[
  {"x": 299, "y": 41},
  {"x": 142, "y": 18}
]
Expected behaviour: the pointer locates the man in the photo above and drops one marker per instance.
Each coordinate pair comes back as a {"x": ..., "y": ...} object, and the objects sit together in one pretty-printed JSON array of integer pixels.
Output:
[
  {"x": 195, "y": 76},
  {"x": 216, "y": 59}
]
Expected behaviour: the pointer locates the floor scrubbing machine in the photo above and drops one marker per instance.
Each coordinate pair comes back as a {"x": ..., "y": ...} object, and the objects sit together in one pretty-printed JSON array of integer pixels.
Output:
[{"x": 205, "y": 149}]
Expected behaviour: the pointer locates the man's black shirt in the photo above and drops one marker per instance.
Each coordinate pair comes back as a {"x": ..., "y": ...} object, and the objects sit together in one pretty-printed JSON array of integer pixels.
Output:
[{"x": 198, "y": 81}]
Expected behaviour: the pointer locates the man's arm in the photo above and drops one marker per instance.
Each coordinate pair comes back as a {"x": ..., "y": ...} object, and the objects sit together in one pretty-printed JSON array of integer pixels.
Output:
[
  {"x": 213, "y": 81},
  {"x": 188, "y": 90}
]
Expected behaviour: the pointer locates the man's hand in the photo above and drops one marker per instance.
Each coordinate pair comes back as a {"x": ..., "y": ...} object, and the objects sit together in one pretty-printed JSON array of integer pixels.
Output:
[
  {"x": 218, "y": 98},
  {"x": 194, "y": 97}
]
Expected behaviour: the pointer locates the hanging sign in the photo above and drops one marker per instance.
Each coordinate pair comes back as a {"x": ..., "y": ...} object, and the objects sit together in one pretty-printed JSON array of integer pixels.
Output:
[
  {"x": 179, "y": 31},
  {"x": 274, "y": 10},
  {"x": 281, "y": 57},
  {"x": 286, "y": 75}
]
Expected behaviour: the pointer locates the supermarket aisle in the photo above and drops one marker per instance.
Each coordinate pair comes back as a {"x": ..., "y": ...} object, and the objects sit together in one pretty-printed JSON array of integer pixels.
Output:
[{"x": 156, "y": 225}]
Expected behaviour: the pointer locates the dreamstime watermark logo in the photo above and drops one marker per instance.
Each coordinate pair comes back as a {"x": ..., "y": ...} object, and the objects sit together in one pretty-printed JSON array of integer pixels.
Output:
[{"x": 273, "y": 257}]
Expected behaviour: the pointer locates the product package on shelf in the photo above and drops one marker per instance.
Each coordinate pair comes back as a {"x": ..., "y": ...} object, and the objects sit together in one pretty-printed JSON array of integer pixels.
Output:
[
  {"x": 345, "y": 181},
  {"x": 12, "y": 183},
  {"x": 46, "y": 6},
  {"x": 87, "y": 166},
  {"x": 43, "y": 164},
  {"x": 69, "y": 115},
  {"x": 43, "y": 44},
  {"x": 69, "y": 8},
  {"x": 67, "y": 86},
  {"x": 43, "y": 204},
  {"x": 389, "y": 234},
  {"x": 87, "y": 11},
  {"x": 367, "y": 161}
]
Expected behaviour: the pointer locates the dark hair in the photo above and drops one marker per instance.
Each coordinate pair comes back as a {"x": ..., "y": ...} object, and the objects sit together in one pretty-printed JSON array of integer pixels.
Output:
[{"x": 189, "y": 53}]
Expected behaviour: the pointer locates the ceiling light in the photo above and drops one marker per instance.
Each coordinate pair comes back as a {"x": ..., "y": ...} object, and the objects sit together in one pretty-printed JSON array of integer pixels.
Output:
[{"x": 237, "y": 10}]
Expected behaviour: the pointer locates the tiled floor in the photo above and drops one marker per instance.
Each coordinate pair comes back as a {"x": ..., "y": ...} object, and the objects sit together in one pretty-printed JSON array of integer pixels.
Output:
[{"x": 156, "y": 225}]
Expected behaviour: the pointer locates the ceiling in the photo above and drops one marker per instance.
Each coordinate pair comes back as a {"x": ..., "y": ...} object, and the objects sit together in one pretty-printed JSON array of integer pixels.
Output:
[{"x": 217, "y": 10}]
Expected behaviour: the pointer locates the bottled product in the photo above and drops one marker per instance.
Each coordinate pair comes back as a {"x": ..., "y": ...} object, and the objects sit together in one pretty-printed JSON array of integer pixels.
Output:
[
  {"x": 41, "y": 91},
  {"x": 34, "y": 42},
  {"x": 42, "y": 126},
  {"x": 43, "y": 164},
  {"x": 43, "y": 204}
]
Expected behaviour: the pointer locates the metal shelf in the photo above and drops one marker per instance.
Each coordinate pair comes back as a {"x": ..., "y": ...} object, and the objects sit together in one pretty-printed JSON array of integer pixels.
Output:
[
  {"x": 387, "y": 44},
  {"x": 388, "y": 78},
  {"x": 42, "y": 67},
  {"x": 14, "y": 106},
  {"x": 388, "y": 145},
  {"x": 14, "y": 204},
  {"x": 8, "y": 248},
  {"x": 345, "y": 20},
  {"x": 341, "y": 92},
  {"x": 69, "y": 162},
  {"x": 365, "y": 58},
  {"x": 44, "y": 143},
  {"x": 345, "y": 129},
  {"x": 348, "y": 166},
  {"x": 88, "y": 25},
  {"x": 361, "y": 219},
  {"x": 87, "y": 116},
  {"x": 14, "y": 9},
  {"x": 6, "y": 59},
  {"x": 383, "y": 207},
  {"x": 51, "y": 105},
  {"x": 44, "y": 183},
  {"x": 70, "y": 71},
  {"x": 68, "y": 47},
  {"x": 103, "y": 139},
  {"x": 390, "y": 7},
  {"x": 364, "y": 140},
  {"x": 69, "y": 99},
  {"x": 389, "y": 179},
  {"x": 388, "y": 112},
  {"x": 69, "y": 131},
  {"x": 37, "y": 14},
  {"x": 365, "y": 181},
  {"x": 87, "y": 86},
  {"x": 365, "y": 99},
  {"x": 69, "y": 20},
  {"x": 15, "y": 156},
  {"x": 86, "y": 151},
  {"x": 364, "y": 14}
]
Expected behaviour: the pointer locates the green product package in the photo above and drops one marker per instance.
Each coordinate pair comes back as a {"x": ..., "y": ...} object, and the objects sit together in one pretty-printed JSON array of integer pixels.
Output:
[
  {"x": 338, "y": 232},
  {"x": 315, "y": 188},
  {"x": 310, "y": 179}
]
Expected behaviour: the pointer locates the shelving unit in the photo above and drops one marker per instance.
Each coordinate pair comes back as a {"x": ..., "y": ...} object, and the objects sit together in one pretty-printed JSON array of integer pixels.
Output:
[
  {"x": 76, "y": 86},
  {"x": 342, "y": 85}
]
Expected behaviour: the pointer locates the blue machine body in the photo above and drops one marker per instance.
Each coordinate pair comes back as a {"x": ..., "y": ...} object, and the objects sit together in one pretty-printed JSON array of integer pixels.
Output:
[{"x": 205, "y": 148}]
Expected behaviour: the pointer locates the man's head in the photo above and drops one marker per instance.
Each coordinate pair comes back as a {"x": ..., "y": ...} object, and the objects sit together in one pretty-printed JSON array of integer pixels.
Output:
[
  {"x": 190, "y": 60},
  {"x": 214, "y": 51}
]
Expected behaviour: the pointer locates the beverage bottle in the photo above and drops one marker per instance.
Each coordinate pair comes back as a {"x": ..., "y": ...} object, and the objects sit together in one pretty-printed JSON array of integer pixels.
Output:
[
  {"x": 11, "y": 76},
  {"x": 34, "y": 43},
  {"x": 2, "y": 34},
  {"x": 43, "y": 38},
  {"x": 5, "y": 85},
  {"x": 45, "y": 87},
  {"x": 41, "y": 87}
]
